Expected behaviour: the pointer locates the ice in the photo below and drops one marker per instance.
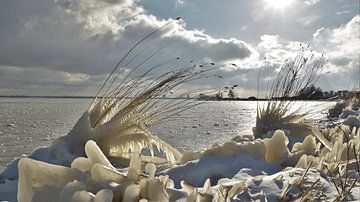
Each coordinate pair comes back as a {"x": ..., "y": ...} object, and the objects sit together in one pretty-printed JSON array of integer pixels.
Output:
[
  {"x": 348, "y": 112},
  {"x": 242, "y": 167},
  {"x": 223, "y": 170},
  {"x": 352, "y": 121},
  {"x": 36, "y": 174}
]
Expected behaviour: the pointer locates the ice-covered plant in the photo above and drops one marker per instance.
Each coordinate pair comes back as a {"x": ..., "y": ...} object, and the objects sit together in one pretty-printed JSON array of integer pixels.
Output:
[
  {"x": 295, "y": 75},
  {"x": 136, "y": 95}
]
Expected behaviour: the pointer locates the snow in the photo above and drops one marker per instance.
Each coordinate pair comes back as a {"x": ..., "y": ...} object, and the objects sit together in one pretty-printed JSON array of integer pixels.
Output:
[
  {"x": 348, "y": 112},
  {"x": 98, "y": 180},
  {"x": 352, "y": 121},
  {"x": 238, "y": 167}
]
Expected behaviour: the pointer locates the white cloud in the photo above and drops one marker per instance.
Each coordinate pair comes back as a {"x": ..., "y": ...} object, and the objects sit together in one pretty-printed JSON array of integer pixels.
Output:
[
  {"x": 179, "y": 3},
  {"x": 342, "y": 12},
  {"x": 71, "y": 45},
  {"x": 87, "y": 37},
  {"x": 312, "y": 2},
  {"x": 29, "y": 80},
  {"x": 342, "y": 44}
]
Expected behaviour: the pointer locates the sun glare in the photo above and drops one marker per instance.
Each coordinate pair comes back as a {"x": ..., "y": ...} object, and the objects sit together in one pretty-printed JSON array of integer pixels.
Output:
[{"x": 278, "y": 4}]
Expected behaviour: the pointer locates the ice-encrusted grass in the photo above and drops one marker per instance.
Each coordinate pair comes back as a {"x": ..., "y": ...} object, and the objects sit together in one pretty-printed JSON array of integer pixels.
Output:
[{"x": 294, "y": 76}]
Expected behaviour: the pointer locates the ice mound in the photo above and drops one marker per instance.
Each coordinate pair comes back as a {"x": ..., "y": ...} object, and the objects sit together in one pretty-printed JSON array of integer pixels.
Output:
[
  {"x": 352, "y": 121},
  {"x": 94, "y": 179},
  {"x": 226, "y": 160},
  {"x": 341, "y": 145},
  {"x": 309, "y": 145},
  {"x": 348, "y": 112},
  {"x": 268, "y": 149},
  {"x": 89, "y": 179}
]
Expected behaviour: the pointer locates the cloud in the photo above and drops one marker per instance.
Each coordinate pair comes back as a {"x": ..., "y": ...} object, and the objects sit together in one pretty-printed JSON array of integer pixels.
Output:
[
  {"x": 29, "y": 80},
  {"x": 311, "y": 2},
  {"x": 71, "y": 46},
  {"x": 342, "y": 12},
  {"x": 179, "y": 3},
  {"x": 341, "y": 45},
  {"x": 88, "y": 37}
]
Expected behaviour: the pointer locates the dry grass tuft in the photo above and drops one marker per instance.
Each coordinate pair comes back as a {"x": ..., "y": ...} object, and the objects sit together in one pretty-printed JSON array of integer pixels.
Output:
[
  {"x": 137, "y": 94},
  {"x": 295, "y": 75}
]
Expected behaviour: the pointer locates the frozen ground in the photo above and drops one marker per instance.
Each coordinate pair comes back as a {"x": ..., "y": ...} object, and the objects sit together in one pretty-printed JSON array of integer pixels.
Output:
[
  {"x": 26, "y": 124},
  {"x": 242, "y": 169}
]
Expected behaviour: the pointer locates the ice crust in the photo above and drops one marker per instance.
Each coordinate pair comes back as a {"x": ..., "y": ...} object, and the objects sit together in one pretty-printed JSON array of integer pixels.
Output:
[{"x": 245, "y": 170}]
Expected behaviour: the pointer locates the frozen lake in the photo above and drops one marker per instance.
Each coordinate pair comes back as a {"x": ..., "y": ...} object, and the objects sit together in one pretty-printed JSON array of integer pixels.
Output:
[{"x": 28, "y": 123}]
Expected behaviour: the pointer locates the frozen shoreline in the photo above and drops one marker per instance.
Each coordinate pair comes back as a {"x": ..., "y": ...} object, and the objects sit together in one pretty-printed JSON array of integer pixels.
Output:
[
  {"x": 26, "y": 124},
  {"x": 261, "y": 176}
]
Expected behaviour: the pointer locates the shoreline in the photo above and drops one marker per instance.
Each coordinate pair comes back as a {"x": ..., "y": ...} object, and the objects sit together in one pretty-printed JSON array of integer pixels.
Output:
[{"x": 220, "y": 100}]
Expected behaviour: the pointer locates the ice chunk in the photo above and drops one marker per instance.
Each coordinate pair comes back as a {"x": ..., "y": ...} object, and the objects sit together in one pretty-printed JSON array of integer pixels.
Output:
[
  {"x": 101, "y": 173},
  {"x": 276, "y": 147},
  {"x": 309, "y": 144},
  {"x": 69, "y": 190},
  {"x": 131, "y": 193},
  {"x": 95, "y": 154},
  {"x": 82, "y": 163},
  {"x": 134, "y": 170},
  {"x": 104, "y": 195},
  {"x": 153, "y": 190},
  {"x": 34, "y": 173},
  {"x": 150, "y": 168},
  {"x": 82, "y": 196}
]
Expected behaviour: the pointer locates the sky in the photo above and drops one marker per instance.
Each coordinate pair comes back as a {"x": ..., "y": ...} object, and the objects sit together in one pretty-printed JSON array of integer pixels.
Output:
[{"x": 68, "y": 47}]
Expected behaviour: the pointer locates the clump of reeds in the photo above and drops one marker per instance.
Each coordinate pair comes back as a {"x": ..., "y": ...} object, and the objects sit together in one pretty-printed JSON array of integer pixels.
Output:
[
  {"x": 296, "y": 74},
  {"x": 137, "y": 94}
]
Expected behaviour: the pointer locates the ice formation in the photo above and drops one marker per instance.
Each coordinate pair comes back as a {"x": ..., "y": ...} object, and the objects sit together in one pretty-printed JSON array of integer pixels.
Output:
[
  {"x": 89, "y": 179},
  {"x": 294, "y": 76},
  {"x": 348, "y": 112},
  {"x": 94, "y": 178},
  {"x": 342, "y": 145},
  {"x": 241, "y": 169},
  {"x": 127, "y": 104}
]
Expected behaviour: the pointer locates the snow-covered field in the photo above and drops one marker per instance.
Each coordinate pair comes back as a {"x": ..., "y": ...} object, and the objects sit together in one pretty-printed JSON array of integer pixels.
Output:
[
  {"x": 26, "y": 124},
  {"x": 242, "y": 169}
]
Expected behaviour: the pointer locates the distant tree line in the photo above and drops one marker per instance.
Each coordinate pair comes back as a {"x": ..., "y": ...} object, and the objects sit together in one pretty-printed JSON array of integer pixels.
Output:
[
  {"x": 316, "y": 93},
  {"x": 309, "y": 93}
]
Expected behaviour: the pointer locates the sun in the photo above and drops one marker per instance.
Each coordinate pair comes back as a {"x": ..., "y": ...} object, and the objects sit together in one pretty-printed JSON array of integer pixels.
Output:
[{"x": 278, "y": 4}]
